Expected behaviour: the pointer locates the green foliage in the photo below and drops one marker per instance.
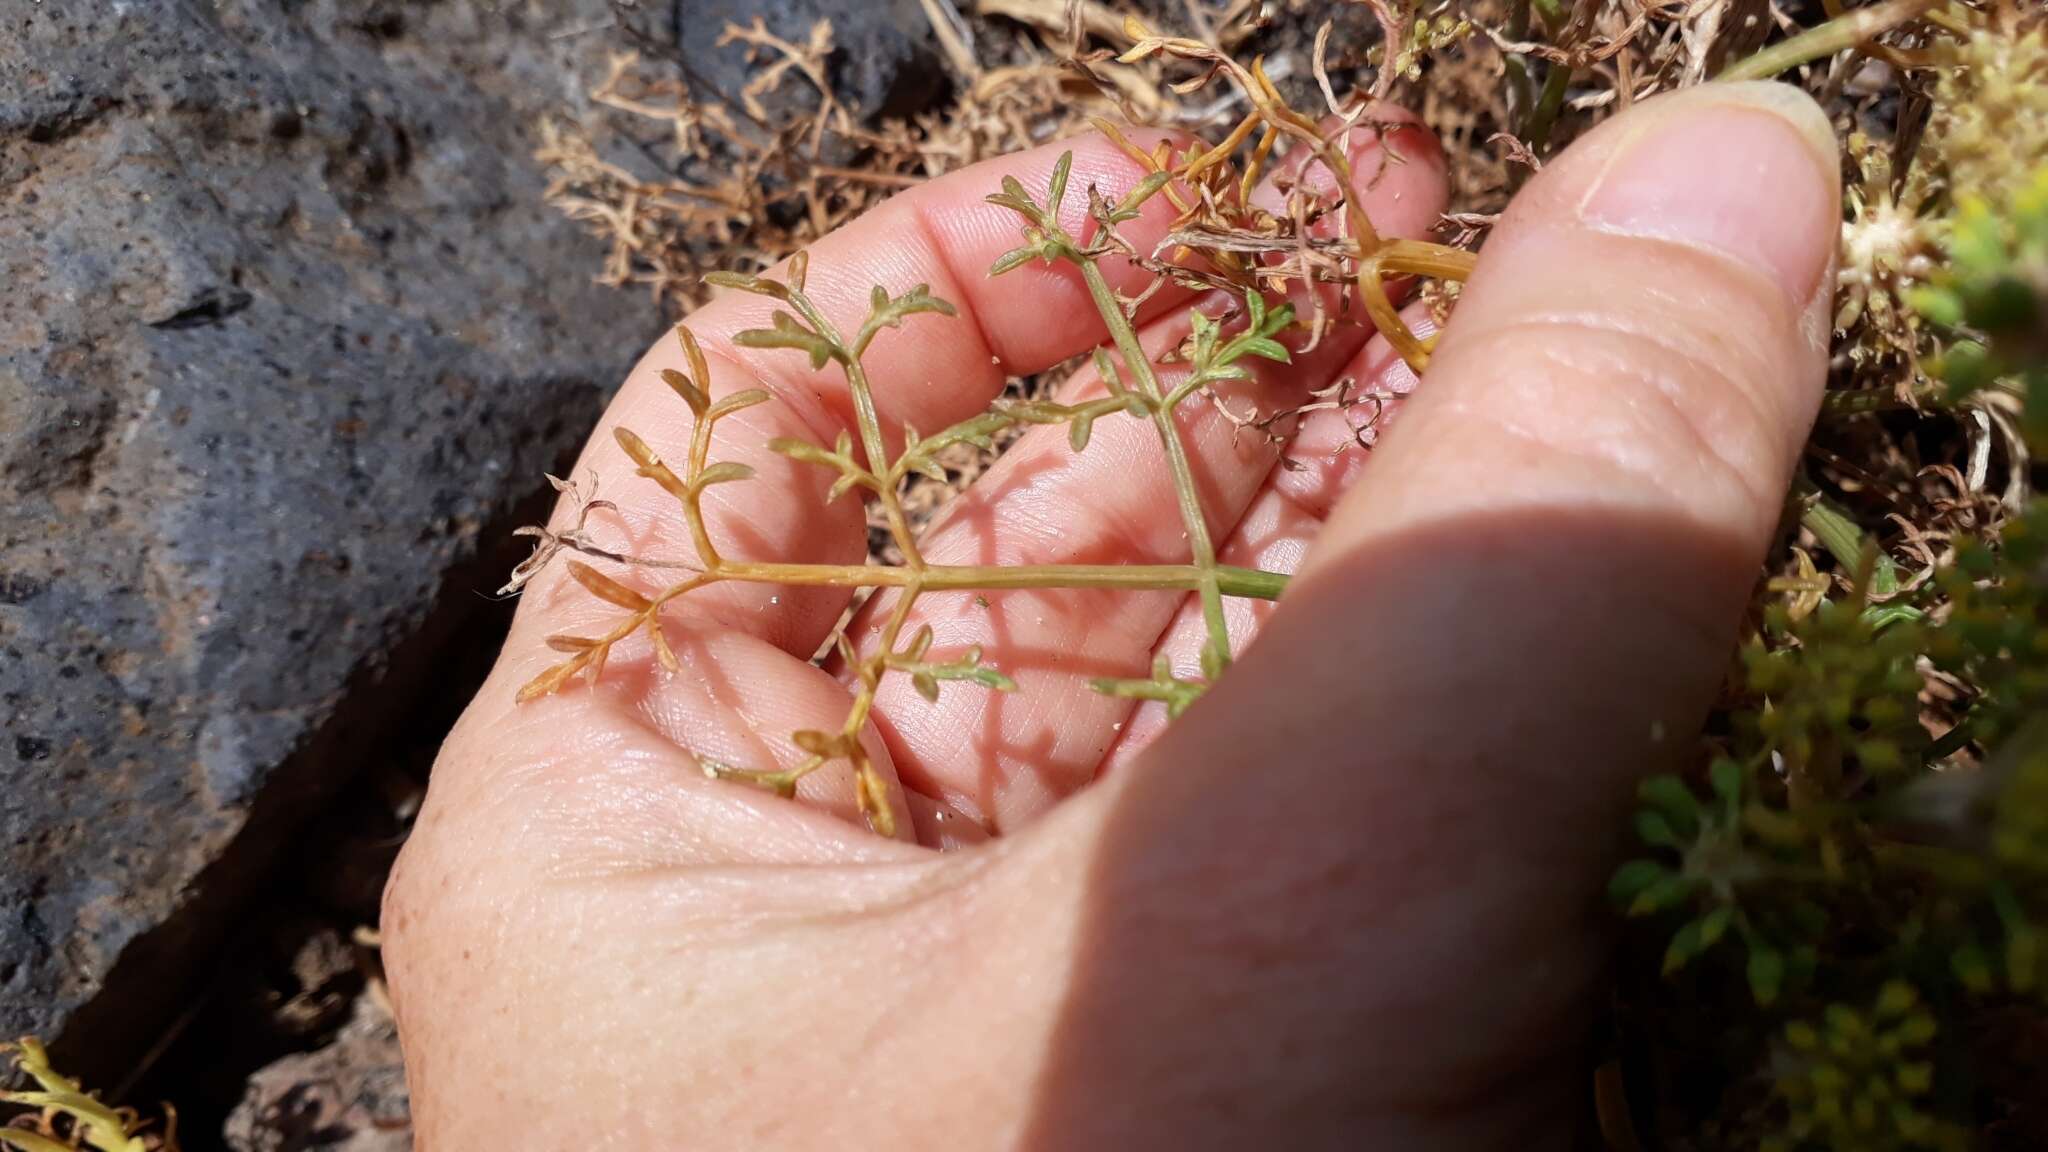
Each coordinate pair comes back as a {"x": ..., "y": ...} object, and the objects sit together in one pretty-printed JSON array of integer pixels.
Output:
[
  {"x": 1212, "y": 362},
  {"x": 1875, "y": 879},
  {"x": 1857, "y": 1079},
  {"x": 1996, "y": 635},
  {"x": 1839, "y": 699},
  {"x": 1162, "y": 685},
  {"x": 2019, "y": 833},
  {"x": 66, "y": 1117},
  {"x": 925, "y": 675},
  {"x": 1713, "y": 856},
  {"x": 1993, "y": 294},
  {"x": 1845, "y": 851},
  {"x": 1989, "y": 135}
]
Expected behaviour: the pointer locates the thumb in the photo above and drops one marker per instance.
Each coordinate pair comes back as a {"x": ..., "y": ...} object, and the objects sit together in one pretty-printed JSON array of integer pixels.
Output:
[{"x": 1353, "y": 898}]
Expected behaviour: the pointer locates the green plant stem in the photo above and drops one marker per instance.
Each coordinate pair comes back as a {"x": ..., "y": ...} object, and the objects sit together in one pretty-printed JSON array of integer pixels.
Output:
[
  {"x": 1841, "y": 403},
  {"x": 1536, "y": 132},
  {"x": 873, "y": 667},
  {"x": 1952, "y": 741},
  {"x": 879, "y": 465},
  {"x": 1245, "y": 583},
  {"x": 1517, "y": 66},
  {"x": 1844, "y": 540},
  {"x": 1139, "y": 368},
  {"x": 870, "y": 422},
  {"x": 873, "y": 792},
  {"x": 1824, "y": 40}
]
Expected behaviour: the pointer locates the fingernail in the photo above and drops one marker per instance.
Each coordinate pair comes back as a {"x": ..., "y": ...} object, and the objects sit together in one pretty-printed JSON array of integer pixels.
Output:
[{"x": 1748, "y": 170}]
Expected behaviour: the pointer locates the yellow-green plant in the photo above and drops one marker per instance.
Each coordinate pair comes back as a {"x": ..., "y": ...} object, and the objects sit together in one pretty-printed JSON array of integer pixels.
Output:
[
  {"x": 1714, "y": 859},
  {"x": 67, "y": 1117},
  {"x": 1856, "y": 1079},
  {"x": 1207, "y": 186},
  {"x": 1878, "y": 829}
]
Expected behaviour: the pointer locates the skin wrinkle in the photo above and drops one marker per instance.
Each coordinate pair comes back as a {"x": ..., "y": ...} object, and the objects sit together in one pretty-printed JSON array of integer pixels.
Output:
[
  {"x": 1540, "y": 445},
  {"x": 1727, "y": 444},
  {"x": 741, "y": 902},
  {"x": 1680, "y": 279},
  {"x": 1603, "y": 454},
  {"x": 1734, "y": 263},
  {"x": 721, "y": 822},
  {"x": 1740, "y": 362},
  {"x": 658, "y": 703},
  {"x": 704, "y": 725},
  {"x": 658, "y": 755}
]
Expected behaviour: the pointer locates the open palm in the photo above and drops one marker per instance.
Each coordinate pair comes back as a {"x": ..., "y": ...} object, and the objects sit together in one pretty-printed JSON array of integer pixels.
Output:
[{"x": 1350, "y": 899}]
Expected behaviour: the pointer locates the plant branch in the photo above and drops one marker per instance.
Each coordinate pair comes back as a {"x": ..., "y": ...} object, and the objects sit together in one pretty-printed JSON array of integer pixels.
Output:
[
  {"x": 1823, "y": 40},
  {"x": 1138, "y": 366}
]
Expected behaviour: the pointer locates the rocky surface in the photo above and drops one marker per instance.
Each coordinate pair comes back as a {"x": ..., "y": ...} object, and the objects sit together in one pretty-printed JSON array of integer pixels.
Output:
[{"x": 287, "y": 329}]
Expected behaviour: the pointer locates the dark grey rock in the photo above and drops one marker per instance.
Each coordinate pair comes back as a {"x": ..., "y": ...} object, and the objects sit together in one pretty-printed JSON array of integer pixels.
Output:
[
  {"x": 286, "y": 327},
  {"x": 885, "y": 61}
]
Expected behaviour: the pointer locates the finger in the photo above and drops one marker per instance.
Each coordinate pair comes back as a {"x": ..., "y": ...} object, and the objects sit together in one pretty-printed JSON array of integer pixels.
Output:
[
  {"x": 1324, "y": 458},
  {"x": 1004, "y": 758},
  {"x": 930, "y": 373},
  {"x": 640, "y": 729},
  {"x": 1423, "y": 765}
]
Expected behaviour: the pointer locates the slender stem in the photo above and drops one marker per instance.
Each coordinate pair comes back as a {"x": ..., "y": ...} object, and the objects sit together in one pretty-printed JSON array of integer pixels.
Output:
[
  {"x": 1536, "y": 132},
  {"x": 870, "y": 421},
  {"x": 871, "y": 669},
  {"x": 1841, "y": 403},
  {"x": 693, "y": 500},
  {"x": 690, "y": 585},
  {"x": 867, "y": 783},
  {"x": 1952, "y": 741},
  {"x": 1518, "y": 67},
  {"x": 878, "y": 465},
  {"x": 1244, "y": 583},
  {"x": 1138, "y": 367},
  {"x": 1422, "y": 258},
  {"x": 1823, "y": 40},
  {"x": 1844, "y": 539}
]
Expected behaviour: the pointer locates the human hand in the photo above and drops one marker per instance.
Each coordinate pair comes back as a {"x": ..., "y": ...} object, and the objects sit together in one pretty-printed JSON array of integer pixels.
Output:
[{"x": 1350, "y": 899}]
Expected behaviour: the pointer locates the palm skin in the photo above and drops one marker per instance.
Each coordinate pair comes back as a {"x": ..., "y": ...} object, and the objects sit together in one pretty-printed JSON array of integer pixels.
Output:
[{"x": 1350, "y": 899}]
